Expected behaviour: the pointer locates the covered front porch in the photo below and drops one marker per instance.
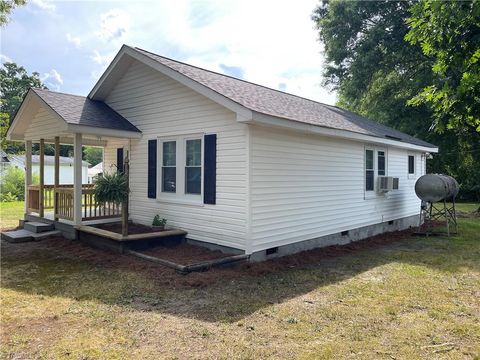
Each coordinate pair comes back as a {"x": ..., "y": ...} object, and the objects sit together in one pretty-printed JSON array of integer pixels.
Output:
[{"x": 61, "y": 119}]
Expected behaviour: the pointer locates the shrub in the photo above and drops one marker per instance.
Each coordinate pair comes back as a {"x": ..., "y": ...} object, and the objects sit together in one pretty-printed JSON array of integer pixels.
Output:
[
  {"x": 13, "y": 183},
  {"x": 8, "y": 197}
]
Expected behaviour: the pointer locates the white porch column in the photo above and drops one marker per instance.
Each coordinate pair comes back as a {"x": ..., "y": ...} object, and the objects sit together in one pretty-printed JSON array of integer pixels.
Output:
[
  {"x": 42, "y": 178},
  {"x": 77, "y": 179},
  {"x": 28, "y": 171}
]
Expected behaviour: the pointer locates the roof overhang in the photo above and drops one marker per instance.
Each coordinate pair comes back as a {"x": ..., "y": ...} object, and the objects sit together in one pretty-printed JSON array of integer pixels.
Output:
[{"x": 268, "y": 120}]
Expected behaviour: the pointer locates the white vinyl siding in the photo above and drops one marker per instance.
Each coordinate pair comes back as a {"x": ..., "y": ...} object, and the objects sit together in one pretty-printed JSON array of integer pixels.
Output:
[
  {"x": 162, "y": 107},
  {"x": 43, "y": 126},
  {"x": 307, "y": 186}
]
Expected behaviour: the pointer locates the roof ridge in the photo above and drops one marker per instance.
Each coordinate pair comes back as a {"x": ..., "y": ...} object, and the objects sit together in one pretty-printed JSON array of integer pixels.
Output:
[
  {"x": 56, "y": 92},
  {"x": 233, "y": 77}
]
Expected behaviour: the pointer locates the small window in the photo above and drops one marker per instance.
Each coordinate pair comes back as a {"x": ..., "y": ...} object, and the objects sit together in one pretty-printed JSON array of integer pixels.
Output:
[
  {"x": 411, "y": 164},
  {"x": 381, "y": 163},
  {"x": 169, "y": 169},
  {"x": 369, "y": 170},
  {"x": 193, "y": 166}
]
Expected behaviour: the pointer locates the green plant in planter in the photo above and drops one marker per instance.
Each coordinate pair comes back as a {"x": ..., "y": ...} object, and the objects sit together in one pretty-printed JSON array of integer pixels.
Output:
[
  {"x": 159, "y": 222},
  {"x": 113, "y": 188}
]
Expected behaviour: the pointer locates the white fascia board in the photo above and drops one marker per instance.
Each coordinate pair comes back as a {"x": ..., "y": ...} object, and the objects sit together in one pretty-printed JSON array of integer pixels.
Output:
[
  {"x": 175, "y": 75},
  {"x": 98, "y": 131},
  {"x": 263, "y": 119}
]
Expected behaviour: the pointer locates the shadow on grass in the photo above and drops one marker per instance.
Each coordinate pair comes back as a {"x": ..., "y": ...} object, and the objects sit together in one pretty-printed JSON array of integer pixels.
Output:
[{"x": 59, "y": 267}]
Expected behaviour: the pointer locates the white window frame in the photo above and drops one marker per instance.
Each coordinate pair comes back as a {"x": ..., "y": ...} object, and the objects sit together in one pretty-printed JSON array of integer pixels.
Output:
[
  {"x": 372, "y": 194},
  {"x": 414, "y": 174},
  {"x": 179, "y": 197}
]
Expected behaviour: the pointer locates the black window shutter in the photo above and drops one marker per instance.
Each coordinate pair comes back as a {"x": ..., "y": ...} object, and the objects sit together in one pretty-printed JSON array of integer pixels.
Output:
[
  {"x": 120, "y": 160},
  {"x": 152, "y": 169},
  {"x": 210, "y": 169}
]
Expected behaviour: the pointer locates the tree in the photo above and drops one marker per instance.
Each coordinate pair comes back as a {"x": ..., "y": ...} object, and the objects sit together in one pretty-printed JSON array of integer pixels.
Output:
[
  {"x": 93, "y": 155},
  {"x": 449, "y": 33},
  {"x": 6, "y": 7},
  {"x": 14, "y": 84},
  {"x": 377, "y": 72}
]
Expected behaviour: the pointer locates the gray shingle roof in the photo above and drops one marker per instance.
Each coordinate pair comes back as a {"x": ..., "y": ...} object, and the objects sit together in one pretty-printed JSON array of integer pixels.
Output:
[
  {"x": 283, "y": 105},
  {"x": 80, "y": 110}
]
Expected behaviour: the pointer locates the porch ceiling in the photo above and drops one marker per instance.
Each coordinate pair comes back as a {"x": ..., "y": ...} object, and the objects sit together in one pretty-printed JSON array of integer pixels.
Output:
[{"x": 45, "y": 114}]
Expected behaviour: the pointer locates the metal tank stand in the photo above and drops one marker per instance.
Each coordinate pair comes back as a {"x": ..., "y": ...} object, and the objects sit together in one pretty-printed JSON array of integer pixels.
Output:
[{"x": 431, "y": 213}]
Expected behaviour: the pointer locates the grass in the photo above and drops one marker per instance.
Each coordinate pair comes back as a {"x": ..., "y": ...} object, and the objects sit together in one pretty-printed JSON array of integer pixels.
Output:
[
  {"x": 411, "y": 299},
  {"x": 10, "y": 213}
]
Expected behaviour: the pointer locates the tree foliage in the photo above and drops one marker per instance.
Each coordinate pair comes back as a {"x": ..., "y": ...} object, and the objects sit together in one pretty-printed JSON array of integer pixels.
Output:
[
  {"x": 449, "y": 33},
  {"x": 377, "y": 72},
  {"x": 6, "y": 7},
  {"x": 94, "y": 155},
  {"x": 14, "y": 84}
]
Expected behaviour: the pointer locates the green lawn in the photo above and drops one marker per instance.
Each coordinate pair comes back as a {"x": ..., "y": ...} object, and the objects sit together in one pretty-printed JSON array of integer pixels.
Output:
[
  {"x": 415, "y": 298},
  {"x": 10, "y": 213}
]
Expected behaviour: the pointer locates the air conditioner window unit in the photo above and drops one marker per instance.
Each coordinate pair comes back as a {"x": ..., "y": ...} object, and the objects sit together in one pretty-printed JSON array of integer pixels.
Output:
[{"x": 387, "y": 183}]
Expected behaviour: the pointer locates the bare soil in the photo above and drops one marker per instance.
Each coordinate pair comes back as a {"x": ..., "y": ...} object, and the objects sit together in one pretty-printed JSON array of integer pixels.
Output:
[{"x": 187, "y": 253}]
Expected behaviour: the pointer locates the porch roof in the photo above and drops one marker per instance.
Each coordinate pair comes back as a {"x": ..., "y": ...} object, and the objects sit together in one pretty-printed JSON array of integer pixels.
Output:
[{"x": 75, "y": 113}]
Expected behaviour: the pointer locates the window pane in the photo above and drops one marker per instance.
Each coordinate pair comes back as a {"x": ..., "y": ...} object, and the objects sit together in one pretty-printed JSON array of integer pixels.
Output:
[
  {"x": 411, "y": 164},
  {"x": 381, "y": 163},
  {"x": 193, "y": 178},
  {"x": 369, "y": 180},
  {"x": 169, "y": 179},
  {"x": 369, "y": 159},
  {"x": 194, "y": 152},
  {"x": 169, "y": 153}
]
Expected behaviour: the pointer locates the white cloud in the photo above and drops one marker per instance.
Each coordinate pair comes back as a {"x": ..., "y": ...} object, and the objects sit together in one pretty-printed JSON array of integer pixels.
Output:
[
  {"x": 102, "y": 59},
  {"x": 274, "y": 43},
  {"x": 5, "y": 59},
  {"x": 52, "y": 79},
  {"x": 44, "y": 4},
  {"x": 114, "y": 24},
  {"x": 75, "y": 40}
]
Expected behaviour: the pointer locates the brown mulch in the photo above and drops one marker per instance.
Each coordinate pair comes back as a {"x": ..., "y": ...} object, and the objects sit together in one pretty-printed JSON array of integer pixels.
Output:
[
  {"x": 168, "y": 277},
  {"x": 133, "y": 228},
  {"x": 184, "y": 254}
]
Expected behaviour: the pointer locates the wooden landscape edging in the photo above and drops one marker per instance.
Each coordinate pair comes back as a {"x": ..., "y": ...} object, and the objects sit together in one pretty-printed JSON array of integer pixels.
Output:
[
  {"x": 185, "y": 269},
  {"x": 119, "y": 237}
]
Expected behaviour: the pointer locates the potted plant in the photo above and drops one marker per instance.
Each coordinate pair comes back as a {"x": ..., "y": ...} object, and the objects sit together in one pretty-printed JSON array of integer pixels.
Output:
[
  {"x": 113, "y": 188},
  {"x": 158, "y": 224}
]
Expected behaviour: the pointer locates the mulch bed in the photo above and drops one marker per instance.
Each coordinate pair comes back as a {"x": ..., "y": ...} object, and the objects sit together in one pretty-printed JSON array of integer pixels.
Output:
[
  {"x": 184, "y": 254},
  {"x": 133, "y": 228},
  {"x": 168, "y": 277}
]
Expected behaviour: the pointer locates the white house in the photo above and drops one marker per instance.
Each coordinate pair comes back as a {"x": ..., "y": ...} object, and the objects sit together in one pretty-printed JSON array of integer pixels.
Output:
[
  {"x": 66, "y": 167},
  {"x": 237, "y": 165}
]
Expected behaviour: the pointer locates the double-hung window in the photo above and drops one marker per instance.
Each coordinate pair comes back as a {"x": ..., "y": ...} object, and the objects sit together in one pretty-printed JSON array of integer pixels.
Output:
[
  {"x": 411, "y": 165},
  {"x": 369, "y": 170},
  {"x": 381, "y": 163},
  {"x": 375, "y": 165},
  {"x": 181, "y": 160},
  {"x": 193, "y": 166},
  {"x": 169, "y": 166}
]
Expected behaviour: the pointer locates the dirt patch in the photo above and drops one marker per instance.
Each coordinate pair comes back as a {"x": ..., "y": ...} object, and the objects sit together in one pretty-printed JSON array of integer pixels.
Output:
[
  {"x": 168, "y": 277},
  {"x": 133, "y": 228},
  {"x": 184, "y": 254}
]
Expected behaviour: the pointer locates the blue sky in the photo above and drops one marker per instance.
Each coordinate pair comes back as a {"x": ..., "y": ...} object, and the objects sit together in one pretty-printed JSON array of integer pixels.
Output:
[{"x": 70, "y": 43}]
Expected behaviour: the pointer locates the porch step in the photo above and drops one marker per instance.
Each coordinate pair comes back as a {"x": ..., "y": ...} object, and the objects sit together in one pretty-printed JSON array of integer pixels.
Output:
[
  {"x": 38, "y": 227},
  {"x": 22, "y": 235}
]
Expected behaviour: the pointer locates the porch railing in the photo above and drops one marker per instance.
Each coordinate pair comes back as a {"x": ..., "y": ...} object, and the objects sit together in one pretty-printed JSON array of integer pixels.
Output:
[{"x": 91, "y": 209}]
